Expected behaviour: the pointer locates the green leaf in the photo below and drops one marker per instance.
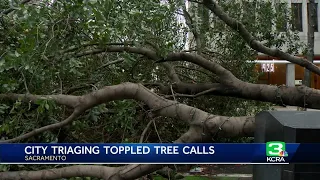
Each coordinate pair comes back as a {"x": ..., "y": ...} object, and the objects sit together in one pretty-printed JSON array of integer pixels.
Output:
[
  {"x": 17, "y": 54},
  {"x": 46, "y": 106}
]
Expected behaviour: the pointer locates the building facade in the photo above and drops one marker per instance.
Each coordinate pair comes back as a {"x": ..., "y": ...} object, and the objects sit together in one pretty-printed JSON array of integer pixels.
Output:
[{"x": 276, "y": 71}]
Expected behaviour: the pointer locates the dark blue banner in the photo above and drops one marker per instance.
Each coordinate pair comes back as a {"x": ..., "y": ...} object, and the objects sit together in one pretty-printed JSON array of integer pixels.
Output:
[{"x": 271, "y": 152}]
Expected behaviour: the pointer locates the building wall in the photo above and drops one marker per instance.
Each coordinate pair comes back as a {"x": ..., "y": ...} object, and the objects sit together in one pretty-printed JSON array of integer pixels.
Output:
[
  {"x": 304, "y": 34},
  {"x": 278, "y": 77}
]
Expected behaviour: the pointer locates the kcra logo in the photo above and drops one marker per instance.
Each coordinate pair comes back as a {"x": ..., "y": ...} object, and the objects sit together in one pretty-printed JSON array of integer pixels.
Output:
[{"x": 276, "y": 151}]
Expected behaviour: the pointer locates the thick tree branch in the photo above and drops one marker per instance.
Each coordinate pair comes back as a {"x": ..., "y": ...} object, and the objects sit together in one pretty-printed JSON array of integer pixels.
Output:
[
  {"x": 158, "y": 105},
  {"x": 135, "y": 50},
  {"x": 67, "y": 100},
  {"x": 72, "y": 49},
  {"x": 225, "y": 76},
  {"x": 192, "y": 27},
  {"x": 111, "y": 173},
  {"x": 203, "y": 127},
  {"x": 127, "y": 172},
  {"x": 312, "y": 11},
  {"x": 254, "y": 44},
  {"x": 163, "y": 107},
  {"x": 65, "y": 172},
  {"x": 296, "y": 96}
]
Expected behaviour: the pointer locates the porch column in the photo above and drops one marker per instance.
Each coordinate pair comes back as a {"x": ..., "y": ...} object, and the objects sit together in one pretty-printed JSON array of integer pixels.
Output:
[{"x": 290, "y": 75}]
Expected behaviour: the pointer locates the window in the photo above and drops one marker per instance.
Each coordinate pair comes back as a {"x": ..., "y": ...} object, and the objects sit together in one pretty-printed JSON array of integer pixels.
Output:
[
  {"x": 316, "y": 17},
  {"x": 281, "y": 17},
  {"x": 297, "y": 16}
]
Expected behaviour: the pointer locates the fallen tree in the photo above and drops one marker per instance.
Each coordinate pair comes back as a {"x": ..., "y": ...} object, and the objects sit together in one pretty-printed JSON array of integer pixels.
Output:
[{"x": 203, "y": 126}]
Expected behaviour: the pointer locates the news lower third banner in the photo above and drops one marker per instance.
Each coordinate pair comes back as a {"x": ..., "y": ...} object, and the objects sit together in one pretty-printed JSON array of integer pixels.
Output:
[{"x": 272, "y": 152}]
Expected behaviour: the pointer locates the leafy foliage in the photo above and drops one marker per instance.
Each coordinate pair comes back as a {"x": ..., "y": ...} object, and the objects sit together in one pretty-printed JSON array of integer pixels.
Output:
[{"x": 48, "y": 48}]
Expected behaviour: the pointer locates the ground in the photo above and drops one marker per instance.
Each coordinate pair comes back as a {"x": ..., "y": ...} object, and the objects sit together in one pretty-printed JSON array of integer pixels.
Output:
[
  {"x": 217, "y": 172},
  {"x": 219, "y": 169},
  {"x": 291, "y": 108}
]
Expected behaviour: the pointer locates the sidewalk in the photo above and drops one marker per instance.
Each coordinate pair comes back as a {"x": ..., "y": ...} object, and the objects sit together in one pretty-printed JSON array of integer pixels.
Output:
[
  {"x": 219, "y": 172},
  {"x": 291, "y": 108}
]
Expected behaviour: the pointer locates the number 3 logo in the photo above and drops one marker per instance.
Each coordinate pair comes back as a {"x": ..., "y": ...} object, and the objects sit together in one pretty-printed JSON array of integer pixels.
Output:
[{"x": 274, "y": 148}]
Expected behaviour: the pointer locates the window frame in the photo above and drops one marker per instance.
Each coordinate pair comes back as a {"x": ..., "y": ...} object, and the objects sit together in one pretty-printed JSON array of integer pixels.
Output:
[{"x": 297, "y": 26}]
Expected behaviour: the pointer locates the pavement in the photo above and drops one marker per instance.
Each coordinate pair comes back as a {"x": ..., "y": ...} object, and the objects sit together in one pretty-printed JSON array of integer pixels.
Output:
[
  {"x": 219, "y": 171},
  {"x": 291, "y": 108}
]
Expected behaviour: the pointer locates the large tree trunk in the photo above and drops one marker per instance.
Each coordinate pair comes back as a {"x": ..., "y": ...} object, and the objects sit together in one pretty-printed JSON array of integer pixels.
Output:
[
  {"x": 310, "y": 55},
  {"x": 203, "y": 125},
  {"x": 311, "y": 27},
  {"x": 203, "y": 128}
]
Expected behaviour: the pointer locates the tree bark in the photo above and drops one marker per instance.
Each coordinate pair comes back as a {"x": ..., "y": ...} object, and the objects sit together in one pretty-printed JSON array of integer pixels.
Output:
[
  {"x": 231, "y": 85},
  {"x": 159, "y": 106},
  {"x": 311, "y": 27},
  {"x": 203, "y": 128},
  {"x": 311, "y": 11}
]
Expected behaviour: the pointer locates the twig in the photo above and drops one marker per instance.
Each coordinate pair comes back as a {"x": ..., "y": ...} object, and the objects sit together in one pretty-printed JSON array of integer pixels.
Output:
[
  {"x": 145, "y": 131},
  {"x": 220, "y": 127},
  {"x": 186, "y": 77},
  {"x": 95, "y": 87},
  {"x": 47, "y": 44},
  {"x": 194, "y": 96},
  {"x": 174, "y": 98},
  {"x": 110, "y": 63},
  {"x": 25, "y": 83},
  {"x": 194, "y": 69},
  {"x": 3, "y": 54},
  {"x": 155, "y": 127},
  {"x": 61, "y": 89}
]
